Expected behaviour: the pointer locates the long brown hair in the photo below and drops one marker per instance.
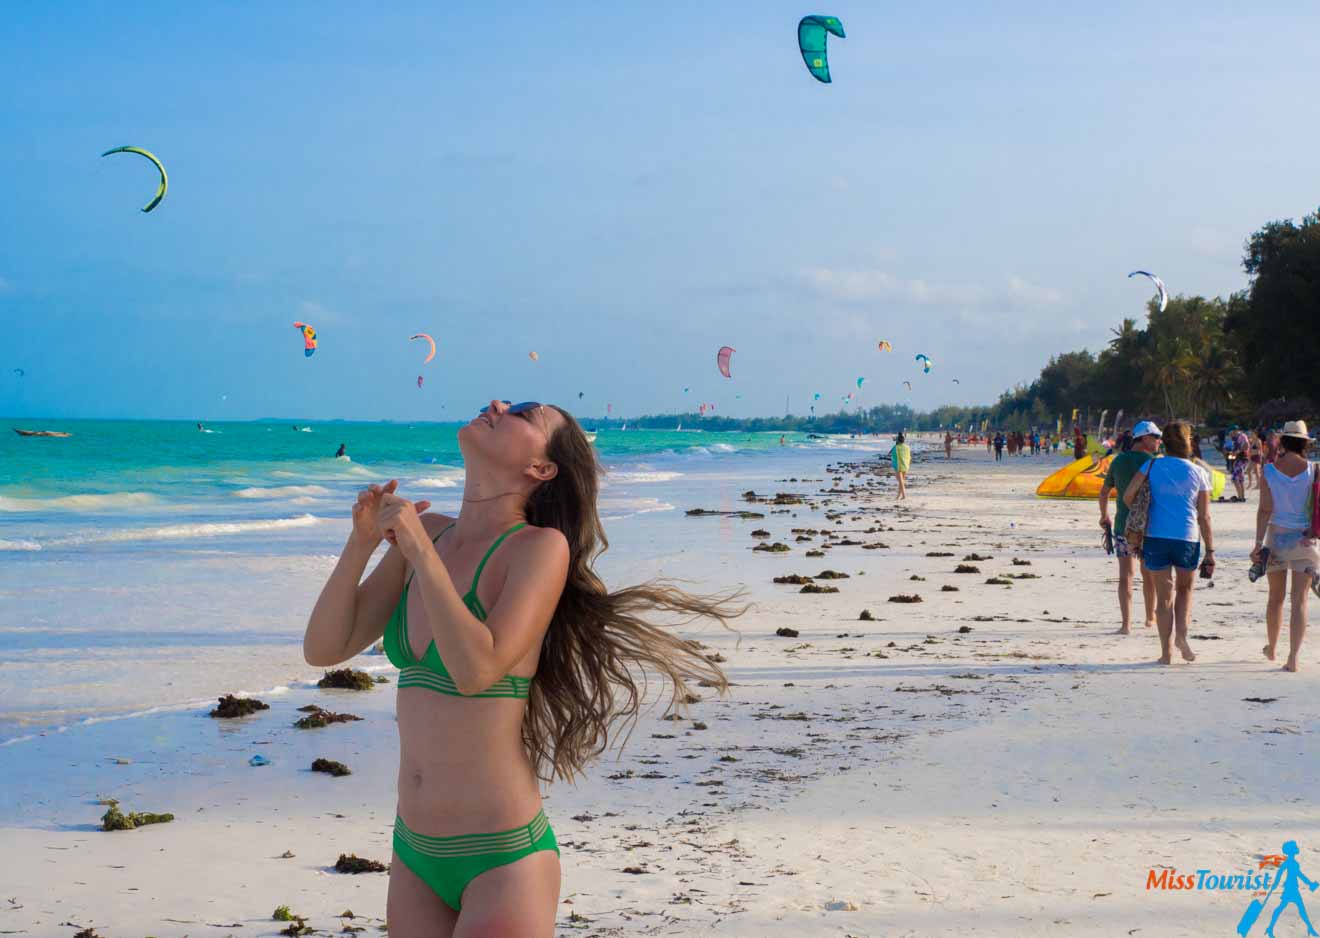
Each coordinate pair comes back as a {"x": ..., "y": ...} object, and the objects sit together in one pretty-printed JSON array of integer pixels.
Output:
[
  {"x": 599, "y": 642},
  {"x": 1178, "y": 439}
]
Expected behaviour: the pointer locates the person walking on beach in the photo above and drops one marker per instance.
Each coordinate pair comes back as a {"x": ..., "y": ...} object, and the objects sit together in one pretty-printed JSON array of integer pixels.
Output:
[
  {"x": 900, "y": 456},
  {"x": 1122, "y": 469},
  {"x": 1179, "y": 505},
  {"x": 518, "y": 679},
  {"x": 1079, "y": 443},
  {"x": 999, "y": 446},
  {"x": 1283, "y": 521},
  {"x": 948, "y": 444}
]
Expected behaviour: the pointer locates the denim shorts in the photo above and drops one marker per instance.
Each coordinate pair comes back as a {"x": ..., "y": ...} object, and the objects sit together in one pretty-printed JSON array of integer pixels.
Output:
[{"x": 1159, "y": 553}]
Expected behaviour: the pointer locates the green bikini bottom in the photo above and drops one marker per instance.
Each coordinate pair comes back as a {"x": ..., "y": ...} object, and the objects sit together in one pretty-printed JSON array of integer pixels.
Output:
[{"x": 448, "y": 864}]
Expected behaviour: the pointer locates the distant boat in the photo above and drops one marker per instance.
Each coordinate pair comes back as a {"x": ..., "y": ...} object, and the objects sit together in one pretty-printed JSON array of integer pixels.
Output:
[
  {"x": 57, "y": 433},
  {"x": 624, "y": 427},
  {"x": 680, "y": 426},
  {"x": 591, "y": 437}
]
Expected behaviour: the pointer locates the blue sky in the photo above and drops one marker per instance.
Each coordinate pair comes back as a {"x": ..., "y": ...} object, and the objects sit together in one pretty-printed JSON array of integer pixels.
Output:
[{"x": 622, "y": 188}]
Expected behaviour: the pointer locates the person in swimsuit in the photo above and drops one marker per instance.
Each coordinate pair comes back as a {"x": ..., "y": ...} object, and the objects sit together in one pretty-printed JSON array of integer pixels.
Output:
[{"x": 517, "y": 679}]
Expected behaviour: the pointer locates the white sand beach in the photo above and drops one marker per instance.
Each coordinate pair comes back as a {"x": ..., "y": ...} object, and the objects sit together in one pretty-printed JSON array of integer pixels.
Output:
[{"x": 992, "y": 760}]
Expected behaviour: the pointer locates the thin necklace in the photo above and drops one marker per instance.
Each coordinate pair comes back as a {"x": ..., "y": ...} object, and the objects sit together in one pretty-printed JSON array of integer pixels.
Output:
[{"x": 489, "y": 497}]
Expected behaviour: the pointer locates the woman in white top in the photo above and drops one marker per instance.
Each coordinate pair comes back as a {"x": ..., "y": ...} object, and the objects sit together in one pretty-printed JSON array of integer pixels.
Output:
[
  {"x": 1179, "y": 508},
  {"x": 1282, "y": 521}
]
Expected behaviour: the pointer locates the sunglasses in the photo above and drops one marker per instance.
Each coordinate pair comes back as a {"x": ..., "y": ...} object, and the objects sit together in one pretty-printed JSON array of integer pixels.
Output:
[{"x": 515, "y": 408}]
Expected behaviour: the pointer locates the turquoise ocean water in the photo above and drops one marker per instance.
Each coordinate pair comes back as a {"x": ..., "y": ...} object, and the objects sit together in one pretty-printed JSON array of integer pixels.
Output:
[{"x": 147, "y": 564}]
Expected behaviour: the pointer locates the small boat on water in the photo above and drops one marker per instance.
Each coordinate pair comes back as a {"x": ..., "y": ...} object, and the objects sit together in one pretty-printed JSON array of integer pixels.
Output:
[
  {"x": 591, "y": 437},
  {"x": 57, "y": 433}
]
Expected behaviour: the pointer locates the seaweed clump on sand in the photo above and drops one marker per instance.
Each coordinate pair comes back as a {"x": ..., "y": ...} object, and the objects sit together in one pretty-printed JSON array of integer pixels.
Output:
[
  {"x": 866, "y": 616},
  {"x": 352, "y": 863},
  {"x": 905, "y": 598},
  {"x": 116, "y": 820},
  {"x": 794, "y": 579},
  {"x": 785, "y": 632},
  {"x": 1019, "y": 562},
  {"x": 816, "y": 588},
  {"x": 231, "y": 707},
  {"x": 998, "y": 581},
  {"x": 815, "y": 553},
  {"x": 977, "y": 557},
  {"x": 831, "y": 575},
  {"x": 347, "y": 679},
  {"x": 317, "y": 718},
  {"x": 966, "y": 568},
  {"x": 938, "y": 553},
  {"x": 778, "y": 547},
  {"x": 947, "y": 588},
  {"x": 331, "y": 767}
]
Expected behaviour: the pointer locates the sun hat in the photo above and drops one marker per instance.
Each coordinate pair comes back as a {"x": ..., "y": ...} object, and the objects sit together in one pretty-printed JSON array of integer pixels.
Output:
[
  {"x": 1146, "y": 428},
  {"x": 1295, "y": 428}
]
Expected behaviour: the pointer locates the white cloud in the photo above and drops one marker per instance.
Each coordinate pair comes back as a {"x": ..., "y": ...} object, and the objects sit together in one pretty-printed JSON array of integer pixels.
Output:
[
  {"x": 1032, "y": 294},
  {"x": 869, "y": 285}
]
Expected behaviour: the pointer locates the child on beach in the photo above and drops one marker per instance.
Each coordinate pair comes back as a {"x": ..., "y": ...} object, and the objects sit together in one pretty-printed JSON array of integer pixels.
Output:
[{"x": 520, "y": 678}]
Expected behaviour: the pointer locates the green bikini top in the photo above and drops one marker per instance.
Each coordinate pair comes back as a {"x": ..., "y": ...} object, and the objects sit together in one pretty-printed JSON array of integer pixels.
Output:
[{"x": 430, "y": 672}]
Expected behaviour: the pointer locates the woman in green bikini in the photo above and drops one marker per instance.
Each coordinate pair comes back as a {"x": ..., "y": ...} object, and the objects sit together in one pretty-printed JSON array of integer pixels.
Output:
[{"x": 519, "y": 678}]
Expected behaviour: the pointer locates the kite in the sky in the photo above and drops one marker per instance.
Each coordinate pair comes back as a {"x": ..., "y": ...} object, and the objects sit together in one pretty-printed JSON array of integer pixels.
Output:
[
  {"x": 722, "y": 359},
  {"x": 20, "y": 372},
  {"x": 533, "y": 356},
  {"x": 812, "y": 35},
  {"x": 925, "y": 362},
  {"x": 908, "y": 385},
  {"x": 309, "y": 338},
  {"x": 956, "y": 381},
  {"x": 430, "y": 341},
  {"x": 885, "y": 346},
  {"x": 860, "y": 382},
  {"x": 164, "y": 180},
  {"x": 1159, "y": 285},
  {"x": 429, "y": 355},
  {"x": 580, "y": 393},
  {"x": 816, "y": 396}
]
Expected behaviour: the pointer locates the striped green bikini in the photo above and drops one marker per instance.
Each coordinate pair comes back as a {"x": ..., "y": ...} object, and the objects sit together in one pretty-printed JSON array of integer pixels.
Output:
[
  {"x": 448, "y": 864},
  {"x": 431, "y": 672}
]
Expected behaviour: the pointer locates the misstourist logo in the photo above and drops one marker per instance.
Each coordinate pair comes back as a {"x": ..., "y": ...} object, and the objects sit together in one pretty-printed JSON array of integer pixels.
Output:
[{"x": 1277, "y": 876}]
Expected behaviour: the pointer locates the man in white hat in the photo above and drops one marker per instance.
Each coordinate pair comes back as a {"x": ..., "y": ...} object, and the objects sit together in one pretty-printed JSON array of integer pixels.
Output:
[
  {"x": 1122, "y": 469},
  {"x": 1284, "y": 520}
]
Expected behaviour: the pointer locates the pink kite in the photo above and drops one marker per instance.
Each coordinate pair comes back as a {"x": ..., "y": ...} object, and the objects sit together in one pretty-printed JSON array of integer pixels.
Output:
[{"x": 722, "y": 359}]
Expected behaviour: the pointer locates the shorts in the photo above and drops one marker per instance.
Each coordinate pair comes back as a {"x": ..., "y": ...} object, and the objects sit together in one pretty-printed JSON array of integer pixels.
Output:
[
  {"x": 1160, "y": 553},
  {"x": 1291, "y": 550},
  {"x": 1238, "y": 469},
  {"x": 1121, "y": 547}
]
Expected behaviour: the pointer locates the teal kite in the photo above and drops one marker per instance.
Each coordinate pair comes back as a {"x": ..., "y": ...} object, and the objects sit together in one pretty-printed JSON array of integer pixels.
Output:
[
  {"x": 164, "y": 180},
  {"x": 812, "y": 32}
]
